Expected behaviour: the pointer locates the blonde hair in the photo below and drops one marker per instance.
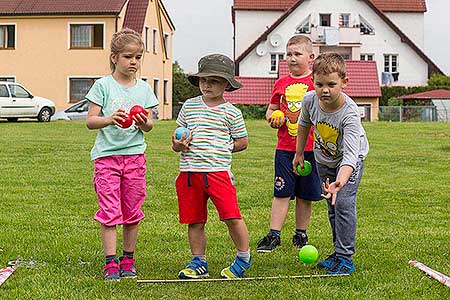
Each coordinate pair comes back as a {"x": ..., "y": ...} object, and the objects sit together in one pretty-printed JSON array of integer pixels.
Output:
[
  {"x": 301, "y": 40},
  {"x": 120, "y": 40},
  {"x": 329, "y": 62}
]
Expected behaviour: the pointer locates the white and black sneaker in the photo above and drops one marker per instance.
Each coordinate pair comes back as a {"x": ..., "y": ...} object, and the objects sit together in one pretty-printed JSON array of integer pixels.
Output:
[
  {"x": 299, "y": 240},
  {"x": 268, "y": 243}
]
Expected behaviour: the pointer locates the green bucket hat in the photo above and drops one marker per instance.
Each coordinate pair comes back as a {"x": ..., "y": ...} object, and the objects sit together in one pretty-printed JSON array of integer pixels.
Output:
[{"x": 216, "y": 65}]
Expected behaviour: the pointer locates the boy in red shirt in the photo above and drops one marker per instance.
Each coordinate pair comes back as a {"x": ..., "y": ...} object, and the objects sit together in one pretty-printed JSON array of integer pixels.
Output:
[{"x": 287, "y": 95}]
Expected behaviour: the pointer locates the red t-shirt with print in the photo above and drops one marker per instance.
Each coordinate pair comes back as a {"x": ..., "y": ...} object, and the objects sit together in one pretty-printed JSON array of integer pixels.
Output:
[{"x": 288, "y": 93}]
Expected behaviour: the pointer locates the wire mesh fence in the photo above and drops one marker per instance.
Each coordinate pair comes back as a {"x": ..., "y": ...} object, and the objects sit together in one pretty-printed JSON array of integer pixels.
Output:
[{"x": 412, "y": 114}]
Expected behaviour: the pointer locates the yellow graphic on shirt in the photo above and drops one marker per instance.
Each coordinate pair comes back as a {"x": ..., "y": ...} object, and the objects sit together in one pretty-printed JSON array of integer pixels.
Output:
[
  {"x": 293, "y": 96},
  {"x": 325, "y": 138}
]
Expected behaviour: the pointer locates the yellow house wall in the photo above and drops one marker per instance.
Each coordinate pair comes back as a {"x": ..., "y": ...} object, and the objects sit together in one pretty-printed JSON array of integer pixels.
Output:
[
  {"x": 155, "y": 65},
  {"x": 43, "y": 62},
  {"x": 374, "y": 103}
]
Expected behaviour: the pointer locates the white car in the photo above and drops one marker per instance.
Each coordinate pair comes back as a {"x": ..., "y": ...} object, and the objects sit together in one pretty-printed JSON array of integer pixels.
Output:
[
  {"x": 17, "y": 102},
  {"x": 77, "y": 111}
]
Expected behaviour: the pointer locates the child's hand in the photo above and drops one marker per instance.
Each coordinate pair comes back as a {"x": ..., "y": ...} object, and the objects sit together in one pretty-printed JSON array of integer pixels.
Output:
[
  {"x": 298, "y": 160},
  {"x": 331, "y": 190},
  {"x": 276, "y": 122},
  {"x": 118, "y": 116},
  {"x": 182, "y": 144},
  {"x": 140, "y": 119}
]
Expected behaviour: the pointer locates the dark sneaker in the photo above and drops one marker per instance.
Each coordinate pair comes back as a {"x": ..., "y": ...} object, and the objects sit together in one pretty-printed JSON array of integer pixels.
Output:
[
  {"x": 342, "y": 266},
  {"x": 236, "y": 269},
  {"x": 268, "y": 243},
  {"x": 127, "y": 268},
  {"x": 195, "y": 269},
  {"x": 111, "y": 271},
  {"x": 329, "y": 262},
  {"x": 299, "y": 240}
]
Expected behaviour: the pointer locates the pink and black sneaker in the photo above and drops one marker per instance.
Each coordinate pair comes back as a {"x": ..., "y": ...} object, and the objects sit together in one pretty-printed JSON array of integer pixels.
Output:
[
  {"x": 111, "y": 271},
  {"x": 127, "y": 268}
]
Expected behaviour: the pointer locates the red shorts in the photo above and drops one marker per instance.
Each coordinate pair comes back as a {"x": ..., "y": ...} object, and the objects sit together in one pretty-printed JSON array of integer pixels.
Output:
[{"x": 194, "y": 189}]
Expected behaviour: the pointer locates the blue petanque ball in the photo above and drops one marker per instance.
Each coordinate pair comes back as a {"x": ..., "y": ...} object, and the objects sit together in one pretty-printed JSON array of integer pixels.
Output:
[{"x": 180, "y": 131}]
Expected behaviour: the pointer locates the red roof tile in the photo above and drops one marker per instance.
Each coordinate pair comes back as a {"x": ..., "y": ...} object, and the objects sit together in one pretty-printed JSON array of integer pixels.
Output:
[
  {"x": 434, "y": 94},
  {"x": 135, "y": 15},
  {"x": 400, "y": 5},
  {"x": 362, "y": 79},
  {"x": 60, "y": 7},
  {"x": 363, "y": 82},
  {"x": 256, "y": 90},
  {"x": 383, "y": 5},
  {"x": 263, "y": 4}
]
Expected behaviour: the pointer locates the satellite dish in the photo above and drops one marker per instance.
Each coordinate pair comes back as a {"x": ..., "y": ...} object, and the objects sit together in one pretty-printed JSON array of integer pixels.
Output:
[
  {"x": 261, "y": 49},
  {"x": 275, "y": 40}
]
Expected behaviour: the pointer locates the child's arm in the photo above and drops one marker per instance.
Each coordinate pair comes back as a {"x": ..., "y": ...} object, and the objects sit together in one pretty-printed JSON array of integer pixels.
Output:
[
  {"x": 302, "y": 137},
  {"x": 94, "y": 121},
  {"x": 240, "y": 144},
  {"x": 144, "y": 122},
  {"x": 332, "y": 189},
  {"x": 274, "y": 123}
]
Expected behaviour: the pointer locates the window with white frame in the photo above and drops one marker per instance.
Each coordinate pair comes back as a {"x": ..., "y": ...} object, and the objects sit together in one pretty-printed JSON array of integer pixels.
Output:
[
  {"x": 344, "y": 20},
  {"x": 86, "y": 36},
  {"x": 166, "y": 91},
  {"x": 7, "y": 36},
  {"x": 4, "y": 91},
  {"x": 166, "y": 44},
  {"x": 147, "y": 39},
  {"x": 391, "y": 63},
  {"x": 79, "y": 87},
  {"x": 365, "y": 56},
  {"x": 305, "y": 26},
  {"x": 325, "y": 20},
  {"x": 156, "y": 87},
  {"x": 274, "y": 61},
  {"x": 365, "y": 27},
  {"x": 155, "y": 40}
]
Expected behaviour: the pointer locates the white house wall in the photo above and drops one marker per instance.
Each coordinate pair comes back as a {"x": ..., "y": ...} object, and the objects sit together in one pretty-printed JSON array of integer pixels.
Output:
[
  {"x": 413, "y": 70},
  {"x": 411, "y": 24},
  {"x": 250, "y": 25}
]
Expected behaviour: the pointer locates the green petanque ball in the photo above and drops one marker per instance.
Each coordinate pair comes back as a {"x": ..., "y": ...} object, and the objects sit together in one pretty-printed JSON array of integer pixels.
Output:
[
  {"x": 308, "y": 254},
  {"x": 306, "y": 168}
]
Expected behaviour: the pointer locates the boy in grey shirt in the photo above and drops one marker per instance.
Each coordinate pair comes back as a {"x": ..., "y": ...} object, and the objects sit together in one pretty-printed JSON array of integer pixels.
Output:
[{"x": 340, "y": 147}]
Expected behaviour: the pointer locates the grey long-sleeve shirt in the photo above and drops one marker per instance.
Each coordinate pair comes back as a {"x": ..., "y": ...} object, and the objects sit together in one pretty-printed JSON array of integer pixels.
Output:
[{"x": 339, "y": 138}]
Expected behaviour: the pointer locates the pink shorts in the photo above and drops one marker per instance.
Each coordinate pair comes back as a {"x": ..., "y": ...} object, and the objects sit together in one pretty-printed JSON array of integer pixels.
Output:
[
  {"x": 194, "y": 189},
  {"x": 119, "y": 181}
]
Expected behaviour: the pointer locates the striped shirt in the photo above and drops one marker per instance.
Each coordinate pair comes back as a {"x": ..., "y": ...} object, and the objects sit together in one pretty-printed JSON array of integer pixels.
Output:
[{"x": 213, "y": 132}]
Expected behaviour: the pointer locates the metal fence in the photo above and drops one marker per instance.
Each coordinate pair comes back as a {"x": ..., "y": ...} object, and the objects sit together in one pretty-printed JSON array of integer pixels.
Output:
[{"x": 412, "y": 114}]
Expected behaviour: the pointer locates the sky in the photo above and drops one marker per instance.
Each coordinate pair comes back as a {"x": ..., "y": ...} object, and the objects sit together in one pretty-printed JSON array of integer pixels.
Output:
[{"x": 204, "y": 27}]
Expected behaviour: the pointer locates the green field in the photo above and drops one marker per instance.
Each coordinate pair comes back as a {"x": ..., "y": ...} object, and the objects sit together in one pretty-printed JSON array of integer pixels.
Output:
[{"x": 47, "y": 203}]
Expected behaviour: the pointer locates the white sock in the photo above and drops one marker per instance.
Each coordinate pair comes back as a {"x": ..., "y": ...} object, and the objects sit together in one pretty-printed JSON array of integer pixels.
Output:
[{"x": 244, "y": 255}]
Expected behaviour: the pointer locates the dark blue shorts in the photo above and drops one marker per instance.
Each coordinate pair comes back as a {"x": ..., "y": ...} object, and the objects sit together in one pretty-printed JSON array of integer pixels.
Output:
[{"x": 288, "y": 184}]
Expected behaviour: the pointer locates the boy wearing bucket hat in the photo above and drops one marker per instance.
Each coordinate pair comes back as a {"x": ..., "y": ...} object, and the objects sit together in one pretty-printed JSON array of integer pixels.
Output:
[{"x": 217, "y": 129}]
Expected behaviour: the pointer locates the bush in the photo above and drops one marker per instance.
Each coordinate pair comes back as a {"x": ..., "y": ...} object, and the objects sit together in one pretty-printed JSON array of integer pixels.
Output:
[{"x": 252, "y": 111}]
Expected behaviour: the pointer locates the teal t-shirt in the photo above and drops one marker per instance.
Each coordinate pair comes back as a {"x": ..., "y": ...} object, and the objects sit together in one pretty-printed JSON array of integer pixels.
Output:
[{"x": 111, "y": 96}]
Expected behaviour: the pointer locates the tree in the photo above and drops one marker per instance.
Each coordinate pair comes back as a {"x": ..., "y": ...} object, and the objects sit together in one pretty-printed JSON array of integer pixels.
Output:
[{"x": 182, "y": 88}]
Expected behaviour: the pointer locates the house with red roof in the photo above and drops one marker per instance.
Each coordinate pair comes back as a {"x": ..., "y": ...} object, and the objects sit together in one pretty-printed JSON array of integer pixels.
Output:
[
  {"x": 439, "y": 99},
  {"x": 390, "y": 33},
  {"x": 363, "y": 86},
  {"x": 58, "y": 48}
]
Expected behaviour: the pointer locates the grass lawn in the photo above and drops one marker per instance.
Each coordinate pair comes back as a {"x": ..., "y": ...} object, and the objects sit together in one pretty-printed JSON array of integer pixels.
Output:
[{"x": 47, "y": 203}]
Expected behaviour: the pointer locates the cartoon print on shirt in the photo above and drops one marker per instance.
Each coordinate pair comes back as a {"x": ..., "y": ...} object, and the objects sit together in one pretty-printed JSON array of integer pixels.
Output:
[
  {"x": 325, "y": 138},
  {"x": 293, "y": 96}
]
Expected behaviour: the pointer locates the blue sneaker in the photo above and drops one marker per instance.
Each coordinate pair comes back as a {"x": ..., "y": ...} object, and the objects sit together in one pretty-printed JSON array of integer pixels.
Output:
[
  {"x": 195, "y": 269},
  {"x": 329, "y": 262},
  {"x": 236, "y": 269},
  {"x": 343, "y": 265}
]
